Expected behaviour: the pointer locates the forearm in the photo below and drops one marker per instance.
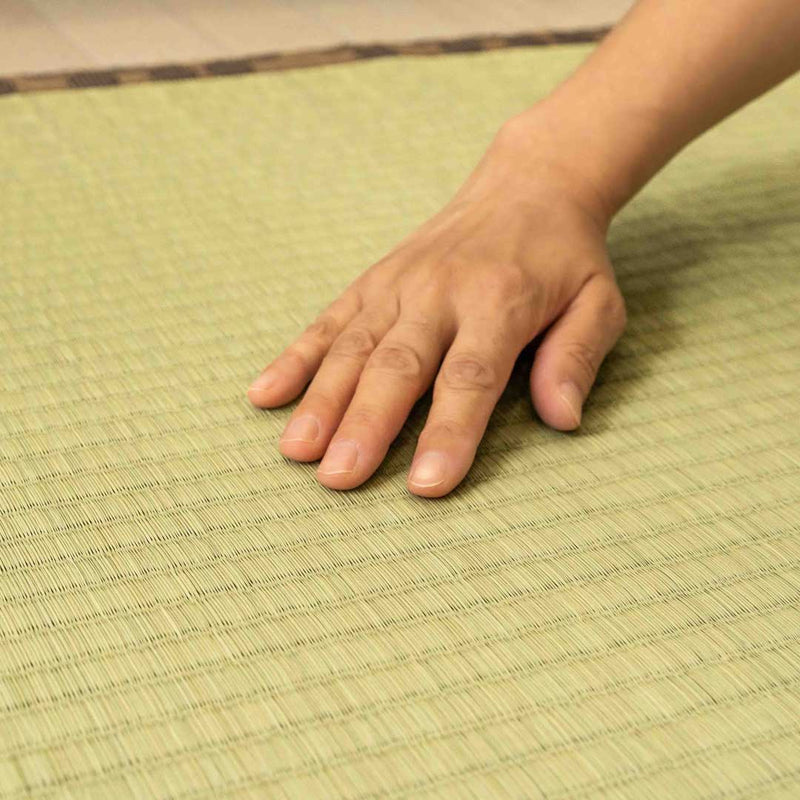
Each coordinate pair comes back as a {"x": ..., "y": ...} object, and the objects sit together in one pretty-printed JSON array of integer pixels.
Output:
[{"x": 668, "y": 71}]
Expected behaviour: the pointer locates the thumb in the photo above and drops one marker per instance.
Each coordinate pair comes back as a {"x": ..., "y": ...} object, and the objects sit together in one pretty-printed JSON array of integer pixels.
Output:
[{"x": 566, "y": 362}]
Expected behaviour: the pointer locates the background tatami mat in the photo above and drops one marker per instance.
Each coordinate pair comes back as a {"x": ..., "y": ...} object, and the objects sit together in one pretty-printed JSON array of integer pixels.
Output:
[{"x": 185, "y": 613}]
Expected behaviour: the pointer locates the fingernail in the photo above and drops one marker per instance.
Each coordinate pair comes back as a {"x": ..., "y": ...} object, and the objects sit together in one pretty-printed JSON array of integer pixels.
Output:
[
  {"x": 340, "y": 457},
  {"x": 428, "y": 469},
  {"x": 572, "y": 397},
  {"x": 302, "y": 429},
  {"x": 264, "y": 381}
]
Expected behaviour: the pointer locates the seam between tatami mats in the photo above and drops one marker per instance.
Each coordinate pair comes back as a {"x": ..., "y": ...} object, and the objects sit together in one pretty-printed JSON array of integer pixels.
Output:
[{"x": 280, "y": 61}]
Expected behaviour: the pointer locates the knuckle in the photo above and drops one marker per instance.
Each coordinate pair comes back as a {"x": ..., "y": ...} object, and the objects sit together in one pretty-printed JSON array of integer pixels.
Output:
[
  {"x": 514, "y": 279},
  {"x": 323, "y": 327},
  {"x": 615, "y": 310},
  {"x": 586, "y": 358},
  {"x": 443, "y": 430},
  {"x": 468, "y": 371},
  {"x": 513, "y": 298},
  {"x": 319, "y": 401},
  {"x": 354, "y": 343},
  {"x": 297, "y": 357},
  {"x": 363, "y": 416},
  {"x": 349, "y": 303},
  {"x": 421, "y": 325},
  {"x": 610, "y": 304},
  {"x": 398, "y": 359},
  {"x": 511, "y": 284},
  {"x": 455, "y": 262}
]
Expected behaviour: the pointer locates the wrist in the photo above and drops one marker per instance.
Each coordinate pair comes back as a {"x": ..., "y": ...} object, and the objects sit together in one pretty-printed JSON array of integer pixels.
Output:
[
  {"x": 526, "y": 170},
  {"x": 606, "y": 155},
  {"x": 540, "y": 161}
]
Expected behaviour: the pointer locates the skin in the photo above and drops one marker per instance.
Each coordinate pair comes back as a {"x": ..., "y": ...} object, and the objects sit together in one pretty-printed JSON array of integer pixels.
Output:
[{"x": 519, "y": 250}]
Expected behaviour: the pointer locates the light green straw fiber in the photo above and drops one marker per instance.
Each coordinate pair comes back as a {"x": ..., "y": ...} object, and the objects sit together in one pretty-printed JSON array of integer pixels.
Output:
[{"x": 186, "y": 614}]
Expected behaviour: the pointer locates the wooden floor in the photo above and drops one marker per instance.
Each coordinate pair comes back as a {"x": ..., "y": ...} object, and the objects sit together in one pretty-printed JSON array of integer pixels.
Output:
[{"x": 51, "y": 35}]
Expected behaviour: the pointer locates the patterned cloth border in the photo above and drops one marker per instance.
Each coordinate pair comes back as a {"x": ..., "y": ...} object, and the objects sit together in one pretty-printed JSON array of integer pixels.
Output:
[{"x": 275, "y": 61}]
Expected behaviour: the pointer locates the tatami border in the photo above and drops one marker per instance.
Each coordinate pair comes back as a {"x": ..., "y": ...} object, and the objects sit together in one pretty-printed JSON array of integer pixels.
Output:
[{"x": 271, "y": 62}]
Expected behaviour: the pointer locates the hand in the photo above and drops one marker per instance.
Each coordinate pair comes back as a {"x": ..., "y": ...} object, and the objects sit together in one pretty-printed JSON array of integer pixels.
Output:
[{"x": 520, "y": 246}]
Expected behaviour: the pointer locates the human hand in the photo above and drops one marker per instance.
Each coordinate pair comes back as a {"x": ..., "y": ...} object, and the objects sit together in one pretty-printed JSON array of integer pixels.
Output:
[{"x": 520, "y": 247}]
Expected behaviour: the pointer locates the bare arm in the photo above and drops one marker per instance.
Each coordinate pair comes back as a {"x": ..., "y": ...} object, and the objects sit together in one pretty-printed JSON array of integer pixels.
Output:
[{"x": 668, "y": 71}]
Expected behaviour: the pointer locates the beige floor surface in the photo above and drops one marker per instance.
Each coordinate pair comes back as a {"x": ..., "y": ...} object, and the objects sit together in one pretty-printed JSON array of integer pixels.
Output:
[{"x": 52, "y": 35}]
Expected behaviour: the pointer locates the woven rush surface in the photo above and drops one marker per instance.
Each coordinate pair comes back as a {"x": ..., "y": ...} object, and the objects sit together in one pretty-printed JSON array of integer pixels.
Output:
[{"x": 611, "y": 612}]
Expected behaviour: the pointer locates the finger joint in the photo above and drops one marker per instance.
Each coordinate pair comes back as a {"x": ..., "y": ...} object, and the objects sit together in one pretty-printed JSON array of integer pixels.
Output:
[
  {"x": 468, "y": 371},
  {"x": 355, "y": 343},
  {"x": 324, "y": 328},
  {"x": 586, "y": 358},
  {"x": 396, "y": 359}
]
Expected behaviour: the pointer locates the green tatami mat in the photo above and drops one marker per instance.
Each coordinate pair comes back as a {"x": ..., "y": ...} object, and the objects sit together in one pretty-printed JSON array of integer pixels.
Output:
[{"x": 613, "y": 612}]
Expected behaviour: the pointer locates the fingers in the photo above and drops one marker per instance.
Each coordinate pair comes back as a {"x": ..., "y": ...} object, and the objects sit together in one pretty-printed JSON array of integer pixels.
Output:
[
  {"x": 284, "y": 377},
  {"x": 396, "y": 374},
  {"x": 566, "y": 363},
  {"x": 472, "y": 377},
  {"x": 314, "y": 421},
  {"x": 368, "y": 367}
]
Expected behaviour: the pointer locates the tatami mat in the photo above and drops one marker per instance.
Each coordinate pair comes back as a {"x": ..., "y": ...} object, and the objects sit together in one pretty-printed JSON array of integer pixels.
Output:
[{"x": 613, "y": 612}]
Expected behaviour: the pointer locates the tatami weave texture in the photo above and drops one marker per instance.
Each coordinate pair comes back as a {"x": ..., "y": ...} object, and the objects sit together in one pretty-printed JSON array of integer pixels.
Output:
[{"x": 613, "y": 612}]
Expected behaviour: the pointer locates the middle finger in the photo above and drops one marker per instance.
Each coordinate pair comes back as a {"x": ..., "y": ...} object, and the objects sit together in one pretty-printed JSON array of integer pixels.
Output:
[{"x": 395, "y": 376}]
